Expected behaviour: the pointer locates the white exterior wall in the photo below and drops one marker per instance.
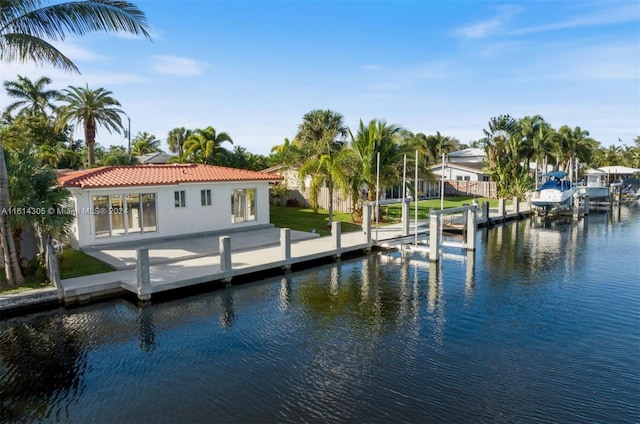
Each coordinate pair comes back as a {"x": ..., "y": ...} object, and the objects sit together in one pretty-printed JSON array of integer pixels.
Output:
[
  {"x": 453, "y": 174},
  {"x": 172, "y": 221}
]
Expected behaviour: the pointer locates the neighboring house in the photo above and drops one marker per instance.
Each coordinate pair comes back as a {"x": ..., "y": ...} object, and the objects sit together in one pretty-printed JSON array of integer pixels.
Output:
[
  {"x": 290, "y": 175},
  {"x": 460, "y": 171},
  {"x": 471, "y": 155},
  {"x": 155, "y": 158},
  {"x": 136, "y": 203}
]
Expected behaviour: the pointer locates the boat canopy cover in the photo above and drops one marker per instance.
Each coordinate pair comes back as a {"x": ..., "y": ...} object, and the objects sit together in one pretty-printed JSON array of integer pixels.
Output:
[{"x": 556, "y": 174}]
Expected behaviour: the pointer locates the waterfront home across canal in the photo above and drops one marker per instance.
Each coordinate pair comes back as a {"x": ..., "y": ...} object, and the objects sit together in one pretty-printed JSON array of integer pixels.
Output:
[{"x": 135, "y": 203}]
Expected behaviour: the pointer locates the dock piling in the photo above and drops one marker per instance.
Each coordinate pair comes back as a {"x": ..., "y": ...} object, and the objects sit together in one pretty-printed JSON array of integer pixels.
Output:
[
  {"x": 366, "y": 222},
  {"x": 434, "y": 237},
  {"x": 502, "y": 208},
  {"x": 472, "y": 225},
  {"x": 516, "y": 206},
  {"x": 336, "y": 234},
  {"x": 485, "y": 211},
  {"x": 285, "y": 246},
  {"x": 143, "y": 281},
  {"x": 225, "y": 253},
  {"x": 406, "y": 217}
]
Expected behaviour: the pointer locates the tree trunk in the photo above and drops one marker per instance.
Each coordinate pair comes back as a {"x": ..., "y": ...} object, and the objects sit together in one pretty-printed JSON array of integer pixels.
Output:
[
  {"x": 90, "y": 140},
  {"x": 11, "y": 265}
]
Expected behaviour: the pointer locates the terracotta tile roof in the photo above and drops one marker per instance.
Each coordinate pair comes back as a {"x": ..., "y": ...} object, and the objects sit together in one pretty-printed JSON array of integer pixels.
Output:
[{"x": 149, "y": 175}]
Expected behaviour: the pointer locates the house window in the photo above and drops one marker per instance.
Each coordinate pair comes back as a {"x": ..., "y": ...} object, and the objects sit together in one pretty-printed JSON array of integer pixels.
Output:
[
  {"x": 179, "y": 199},
  {"x": 149, "y": 212},
  {"x": 116, "y": 210},
  {"x": 119, "y": 214},
  {"x": 243, "y": 205},
  {"x": 205, "y": 197},
  {"x": 133, "y": 213},
  {"x": 101, "y": 216}
]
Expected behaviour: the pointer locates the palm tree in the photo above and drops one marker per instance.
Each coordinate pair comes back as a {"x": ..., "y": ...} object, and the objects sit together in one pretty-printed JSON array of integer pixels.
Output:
[
  {"x": 23, "y": 23},
  {"x": 320, "y": 137},
  {"x": 92, "y": 108},
  {"x": 506, "y": 148},
  {"x": 576, "y": 144},
  {"x": 204, "y": 145},
  {"x": 144, "y": 143},
  {"x": 32, "y": 97},
  {"x": 176, "y": 138},
  {"x": 388, "y": 141}
]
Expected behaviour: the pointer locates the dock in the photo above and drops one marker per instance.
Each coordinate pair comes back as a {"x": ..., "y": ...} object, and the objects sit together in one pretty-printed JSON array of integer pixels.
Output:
[{"x": 217, "y": 260}]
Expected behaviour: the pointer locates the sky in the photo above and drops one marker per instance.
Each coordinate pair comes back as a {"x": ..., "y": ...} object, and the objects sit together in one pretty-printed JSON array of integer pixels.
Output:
[{"x": 254, "y": 68}]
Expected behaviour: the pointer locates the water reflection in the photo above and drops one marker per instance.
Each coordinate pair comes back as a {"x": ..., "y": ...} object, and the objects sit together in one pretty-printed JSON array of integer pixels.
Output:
[
  {"x": 285, "y": 292},
  {"x": 389, "y": 337},
  {"x": 39, "y": 359},
  {"x": 147, "y": 328},
  {"x": 228, "y": 317}
]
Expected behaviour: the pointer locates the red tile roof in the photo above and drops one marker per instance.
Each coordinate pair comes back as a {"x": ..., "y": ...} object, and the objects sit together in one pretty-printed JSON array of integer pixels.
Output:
[{"x": 144, "y": 175}]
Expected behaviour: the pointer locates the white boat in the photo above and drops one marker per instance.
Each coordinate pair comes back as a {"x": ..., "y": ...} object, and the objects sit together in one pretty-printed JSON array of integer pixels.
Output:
[
  {"x": 596, "y": 186},
  {"x": 555, "y": 193}
]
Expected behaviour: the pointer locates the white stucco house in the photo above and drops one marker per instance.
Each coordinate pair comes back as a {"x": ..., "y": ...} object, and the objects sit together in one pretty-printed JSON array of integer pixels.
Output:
[{"x": 130, "y": 203}]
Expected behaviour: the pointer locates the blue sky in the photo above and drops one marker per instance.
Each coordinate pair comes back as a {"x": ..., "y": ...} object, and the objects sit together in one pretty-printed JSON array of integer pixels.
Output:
[{"x": 253, "y": 69}]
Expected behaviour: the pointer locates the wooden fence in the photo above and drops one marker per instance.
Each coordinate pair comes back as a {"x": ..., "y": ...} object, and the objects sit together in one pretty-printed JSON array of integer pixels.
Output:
[{"x": 471, "y": 188}]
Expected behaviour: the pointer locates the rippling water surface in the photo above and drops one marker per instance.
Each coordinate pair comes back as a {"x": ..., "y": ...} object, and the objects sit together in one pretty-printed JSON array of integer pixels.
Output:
[{"x": 541, "y": 324}]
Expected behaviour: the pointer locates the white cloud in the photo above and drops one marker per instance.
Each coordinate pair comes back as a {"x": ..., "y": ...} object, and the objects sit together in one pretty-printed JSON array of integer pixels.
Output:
[
  {"x": 490, "y": 26},
  {"x": 624, "y": 13},
  {"x": 176, "y": 65}
]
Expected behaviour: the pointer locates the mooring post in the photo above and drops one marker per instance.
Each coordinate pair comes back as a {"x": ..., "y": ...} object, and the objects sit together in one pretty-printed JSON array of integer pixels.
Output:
[
  {"x": 575, "y": 206},
  {"x": 434, "y": 237},
  {"x": 485, "y": 211},
  {"x": 336, "y": 235},
  {"x": 406, "y": 217},
  {"x": 366, "y": 222},
  {"x": 586, "y": 204},
  {"x": 143, "y": 282},
  {"x": 472, "y": 224},
  {"x": 225, "y": 253},
  {"x": 285, "y": 246},
  {"x": 516, "y": 205},
  {"x": 502, "y": 203}
]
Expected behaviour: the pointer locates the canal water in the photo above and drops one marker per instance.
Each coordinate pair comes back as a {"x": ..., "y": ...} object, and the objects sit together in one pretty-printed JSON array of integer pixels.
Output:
[{"x": 540, "y": 324}]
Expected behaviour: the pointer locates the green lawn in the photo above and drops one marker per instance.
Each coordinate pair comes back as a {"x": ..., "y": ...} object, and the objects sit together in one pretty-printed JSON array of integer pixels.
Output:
[
  {"x": 73, "y": 263},
  {"x": 304, "y": 219},
  {"x": 393, "y": 213}
]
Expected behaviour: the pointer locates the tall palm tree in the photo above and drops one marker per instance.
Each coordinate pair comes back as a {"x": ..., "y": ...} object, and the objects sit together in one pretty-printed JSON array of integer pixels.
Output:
[
  {"x": 320, "y": 137},
  {"x": 32, "y": 97},
  {"x": 576, "y": 144},
  {"x": 24, "y": 25},
  {"x": 385, "y": 139},
  {"x": 92, "y": 108},
  {"x": 502, "y": 129},
  {"x": 144, "y": 143},
  {"x": 204, "y": 145},
  {"x": 176, "y": 139}
]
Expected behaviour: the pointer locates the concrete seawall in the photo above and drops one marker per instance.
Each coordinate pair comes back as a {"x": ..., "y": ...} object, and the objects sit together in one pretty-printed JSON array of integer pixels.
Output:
[{"x": 183, "y": 263}]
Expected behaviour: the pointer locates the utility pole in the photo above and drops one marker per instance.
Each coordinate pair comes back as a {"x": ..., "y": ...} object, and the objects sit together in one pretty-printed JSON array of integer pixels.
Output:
[{"x": 129, "y": 136}]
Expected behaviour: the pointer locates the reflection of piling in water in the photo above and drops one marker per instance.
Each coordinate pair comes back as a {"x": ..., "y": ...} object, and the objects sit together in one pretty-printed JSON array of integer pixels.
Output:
[{"x": 146, "y": 328}]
